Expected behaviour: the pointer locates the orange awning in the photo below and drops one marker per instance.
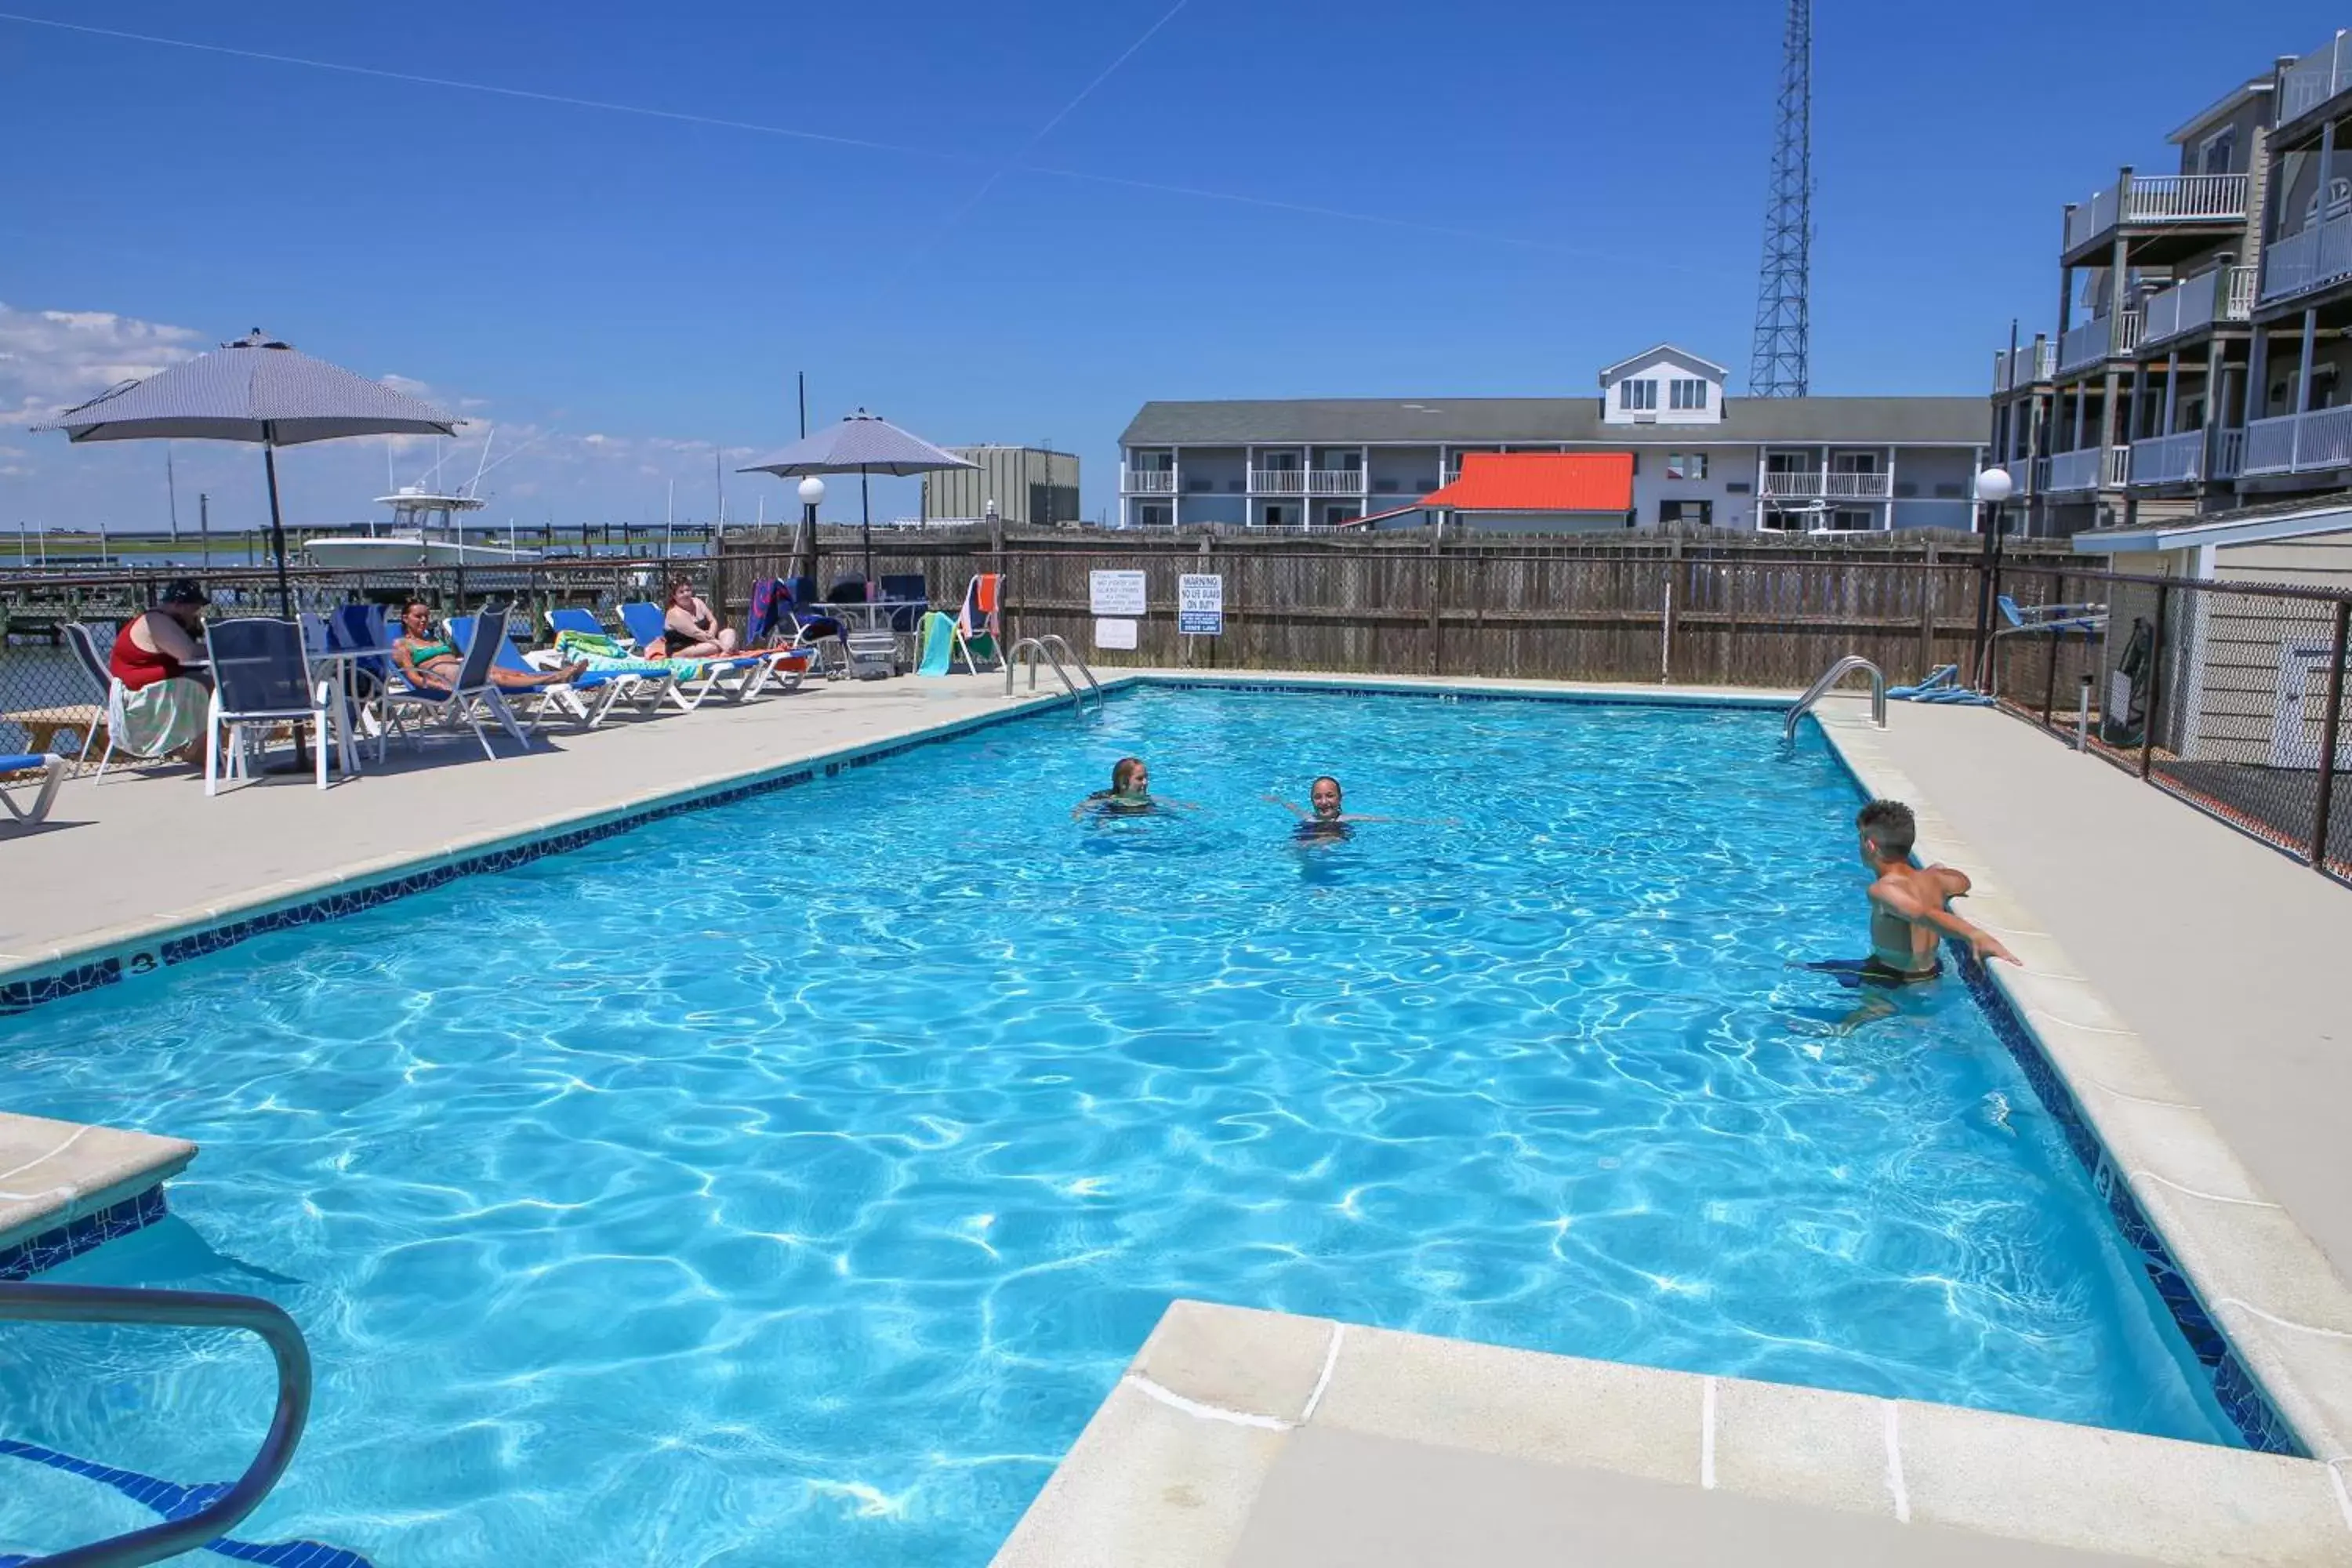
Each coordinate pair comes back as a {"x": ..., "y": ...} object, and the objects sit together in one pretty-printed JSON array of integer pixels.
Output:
[{"x": 1539, "y": 482}]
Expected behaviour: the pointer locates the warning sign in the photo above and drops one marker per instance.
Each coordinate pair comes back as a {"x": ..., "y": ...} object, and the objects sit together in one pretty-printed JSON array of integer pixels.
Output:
[{"x": 1200, "y": 605}]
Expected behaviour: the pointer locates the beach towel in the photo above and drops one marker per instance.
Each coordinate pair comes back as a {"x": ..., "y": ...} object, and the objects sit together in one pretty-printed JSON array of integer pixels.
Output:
[
  {"x": 610, "y": 655},
  {"x": 938, "y": 644},
  {"x": 767, "y": 616},
  {"x": 159, "y": 718}
]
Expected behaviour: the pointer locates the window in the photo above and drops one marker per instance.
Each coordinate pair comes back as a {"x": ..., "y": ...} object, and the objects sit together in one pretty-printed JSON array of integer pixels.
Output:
[
  {"x": 2215, "y": 153},
  {"x": 1688, "y": 392},
  {"x": 1698, "y": 511},
  {"x": 1155, "y": 514},
  {"x": 1686, "y": 465},
  {"x": 1636, "y": 394}
]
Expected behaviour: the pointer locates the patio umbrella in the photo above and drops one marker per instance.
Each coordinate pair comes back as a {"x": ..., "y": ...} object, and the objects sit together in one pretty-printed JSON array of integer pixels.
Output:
[
  {"x": 862, "y": 444},
  {"x": 253, "y": 390}
]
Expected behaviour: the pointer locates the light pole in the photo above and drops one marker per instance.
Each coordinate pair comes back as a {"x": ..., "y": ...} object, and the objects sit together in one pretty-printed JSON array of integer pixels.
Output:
[
  {"x": 811, "y": 494},
  {"x": 1993, "y": 487}
]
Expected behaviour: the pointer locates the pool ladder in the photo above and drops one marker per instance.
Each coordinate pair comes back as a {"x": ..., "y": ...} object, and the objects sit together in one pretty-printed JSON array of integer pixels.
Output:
[
  {"x": 1830, "y": 677},
  {"x": 1051, "y": 647},
  {"x": 40, "y": 1303}
]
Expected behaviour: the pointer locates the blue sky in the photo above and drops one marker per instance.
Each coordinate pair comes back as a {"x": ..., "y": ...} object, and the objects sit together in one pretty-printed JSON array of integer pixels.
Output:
[{"x": 1259, "y": 200}]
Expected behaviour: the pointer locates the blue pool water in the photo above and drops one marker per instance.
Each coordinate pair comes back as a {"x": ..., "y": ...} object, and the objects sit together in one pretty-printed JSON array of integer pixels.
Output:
[{"x": 788, "y": 1181}]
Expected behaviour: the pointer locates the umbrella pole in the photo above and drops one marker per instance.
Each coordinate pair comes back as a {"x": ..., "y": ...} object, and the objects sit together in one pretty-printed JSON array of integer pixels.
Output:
[
  {"x": 285, "y": 592},
  {"x": 866, "y": 507}
]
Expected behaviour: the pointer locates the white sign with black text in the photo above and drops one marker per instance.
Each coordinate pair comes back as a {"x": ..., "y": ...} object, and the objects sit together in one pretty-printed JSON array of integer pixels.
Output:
[
  {"x": 1115, "y": 632},
  {"x": 1116, "y": 593}
]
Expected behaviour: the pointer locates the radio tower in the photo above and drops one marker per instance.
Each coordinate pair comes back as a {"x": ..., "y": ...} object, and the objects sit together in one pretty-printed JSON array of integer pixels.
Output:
[{"x": 1780, "y": 366}]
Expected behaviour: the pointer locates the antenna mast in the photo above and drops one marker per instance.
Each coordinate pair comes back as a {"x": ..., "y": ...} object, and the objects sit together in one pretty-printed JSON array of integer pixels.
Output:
[{"x": 1781, "y": 364}]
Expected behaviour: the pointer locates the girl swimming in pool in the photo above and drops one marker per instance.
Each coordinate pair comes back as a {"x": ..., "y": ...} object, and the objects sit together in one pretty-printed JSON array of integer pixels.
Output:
[{"x": 1129, "y": 793}]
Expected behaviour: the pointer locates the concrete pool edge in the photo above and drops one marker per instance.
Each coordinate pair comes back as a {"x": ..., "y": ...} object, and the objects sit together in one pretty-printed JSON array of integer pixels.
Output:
[
  {"x": 1167, "y": 1471},
  {"x": 2162, "y": 1167}
]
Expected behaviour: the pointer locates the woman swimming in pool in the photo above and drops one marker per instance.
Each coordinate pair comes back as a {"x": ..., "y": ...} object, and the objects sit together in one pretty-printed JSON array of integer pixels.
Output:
[
  {"x": 1129, "y": 793},
  {"x": 1329, "y": 820}
]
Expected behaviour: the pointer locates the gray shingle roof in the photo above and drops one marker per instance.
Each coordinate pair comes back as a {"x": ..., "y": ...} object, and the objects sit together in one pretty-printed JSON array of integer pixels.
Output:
[{"x": 1345, "y": 421}]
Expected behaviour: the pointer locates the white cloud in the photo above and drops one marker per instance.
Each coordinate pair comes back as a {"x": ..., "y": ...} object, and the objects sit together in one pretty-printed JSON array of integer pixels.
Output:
[{"x": 52, "y": 359}]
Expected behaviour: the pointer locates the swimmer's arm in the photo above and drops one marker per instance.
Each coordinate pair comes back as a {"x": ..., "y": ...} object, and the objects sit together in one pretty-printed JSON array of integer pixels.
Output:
[
  {"x": 1951, "y": 881},
  {"x": 1406, "y": 821},
  {"x": 1898, "y": 900},
  {"x": 1277, "y": 800}
]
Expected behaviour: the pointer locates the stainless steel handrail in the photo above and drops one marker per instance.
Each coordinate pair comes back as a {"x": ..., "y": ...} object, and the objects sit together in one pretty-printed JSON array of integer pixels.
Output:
[
  {"x": 1048, "y": 647},
  {"x": 1830, "y": 677},
  {"x": 1053, "y": 641},
  {"x": 193, "y": 1310}
]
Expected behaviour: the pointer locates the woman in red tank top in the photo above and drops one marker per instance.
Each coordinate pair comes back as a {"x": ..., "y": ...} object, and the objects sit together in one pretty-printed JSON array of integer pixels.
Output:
[{"x": 162, "y": 644}]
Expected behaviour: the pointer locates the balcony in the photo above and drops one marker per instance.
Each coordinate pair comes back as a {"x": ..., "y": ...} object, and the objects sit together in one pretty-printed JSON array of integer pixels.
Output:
[
  {"x": 2218, "y": 294},
  {"x": 1819, "y": 485},
  {"x": 2176, "y": 459},
  {"x": 1148, "y": 481},
  {"x": 2317, "y": 78},
  {"x": 2096, "y": 339},
  {"x": 2029, "y": 363},
  {"x": 2311, "y": 259},
  {"x": 2159, "y": 198},
  {"x": 1277, "y": 481},
  {"x": 2091, "y": 469},
  {"x": 2311, "y": 443},
  {"x": 1335, "y": 481}
]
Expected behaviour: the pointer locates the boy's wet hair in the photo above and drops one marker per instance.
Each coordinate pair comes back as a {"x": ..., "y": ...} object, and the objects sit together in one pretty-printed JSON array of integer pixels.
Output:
[{"x": 1889, "y": 825}]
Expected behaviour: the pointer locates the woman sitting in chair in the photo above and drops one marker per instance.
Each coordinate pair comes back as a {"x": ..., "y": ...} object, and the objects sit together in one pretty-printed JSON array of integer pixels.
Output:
[
  {"x": 690, "y": 627},
  {"x": 158, "y": 659},
  {"x": 429, "y": 662}
]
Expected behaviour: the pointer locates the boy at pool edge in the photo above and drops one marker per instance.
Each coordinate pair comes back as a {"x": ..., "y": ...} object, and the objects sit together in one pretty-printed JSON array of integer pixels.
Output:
[{"x": 1909, "y": 914}]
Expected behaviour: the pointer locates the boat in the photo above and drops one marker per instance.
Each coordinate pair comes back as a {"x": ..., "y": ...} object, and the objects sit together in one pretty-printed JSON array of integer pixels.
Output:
[{"x": 424, "y": 532}]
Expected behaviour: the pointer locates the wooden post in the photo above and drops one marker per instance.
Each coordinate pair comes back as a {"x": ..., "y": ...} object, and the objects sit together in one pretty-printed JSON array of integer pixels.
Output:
[
  {"x": 1436, "y": 598},
  {"x": 1666, "y": 620},
  {"x": 1930, "y": 590}
]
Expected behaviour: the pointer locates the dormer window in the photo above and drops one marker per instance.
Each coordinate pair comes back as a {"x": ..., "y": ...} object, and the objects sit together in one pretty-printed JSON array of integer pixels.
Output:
[
  {"x": 1662, "y": 385},
  {"x": 1688, "y": 392},
  {"x": 1638, "y": 395}
]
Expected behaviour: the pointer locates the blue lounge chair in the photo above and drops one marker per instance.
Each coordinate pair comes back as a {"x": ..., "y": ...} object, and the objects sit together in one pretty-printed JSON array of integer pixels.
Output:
[
  {"x": 2086, "y": 621},
  {"x": 734, "y": 677},
  {"x": 589, "y": 699},
  {"x": 474, "y": 697},
  {"x": 53, "y": 773},
  {"x": 909, "y": 597}
]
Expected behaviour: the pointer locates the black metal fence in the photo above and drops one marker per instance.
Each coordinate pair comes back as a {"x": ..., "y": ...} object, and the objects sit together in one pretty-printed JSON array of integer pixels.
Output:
[
  {"x": 49, "y": 702},
  {"x": 2227, "y": 694}
]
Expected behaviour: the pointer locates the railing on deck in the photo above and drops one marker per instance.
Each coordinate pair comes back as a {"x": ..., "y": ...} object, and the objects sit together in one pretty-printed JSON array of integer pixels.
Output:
[
  {"x": 2317, "y": 78},
  {"x": 1148, "y": 481},
  {"x": 2175, "y": 459},
  {"x": 2316, "y": 257},
  {"x": 2217, "y": 294},
  {"x": 2097, "y": 338},
  {"x": 2309, "y": 443},
  {"x": 2159, "y": 198}
]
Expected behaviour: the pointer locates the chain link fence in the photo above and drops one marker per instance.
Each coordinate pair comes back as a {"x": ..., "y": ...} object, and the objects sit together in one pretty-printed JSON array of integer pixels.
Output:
[{"x": 50, "y": 702}]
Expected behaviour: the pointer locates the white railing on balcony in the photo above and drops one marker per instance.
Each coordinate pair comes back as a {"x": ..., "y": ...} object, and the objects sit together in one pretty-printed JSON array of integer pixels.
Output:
[
  {"x": 2095, "y": 339},
  {"x": 2217, "y": 294},
  {"x": 1278, "y": 481},
  {"x": 2089, "y": 468},
  {"x": 1335, "y": 481},
  {"x": 2300, "y": 442},
  {"x": 2031, "y": 363},
  {"x": 1828, "y": 486},
  {"x": 2161, "y": 198},
  {"x": 2176, "y": 459},
  {"x": 2229, "y": 452},
  {"x": 2317, "y": 78},
  {"x": 2318, "y": 255},
  {"x": 1148, "y": 481}
]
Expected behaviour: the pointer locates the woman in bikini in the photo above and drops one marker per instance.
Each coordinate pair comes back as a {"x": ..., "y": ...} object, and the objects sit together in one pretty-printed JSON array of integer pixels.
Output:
[{"x": 428, "y": 661}]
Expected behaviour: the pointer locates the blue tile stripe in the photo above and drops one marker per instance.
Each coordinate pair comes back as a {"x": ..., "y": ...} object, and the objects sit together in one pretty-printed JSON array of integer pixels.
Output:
[
  {"x": 2240, "y": 1395},
  {"x": 23, "y": 1259},
  {"x": 177, "y": 1502}
]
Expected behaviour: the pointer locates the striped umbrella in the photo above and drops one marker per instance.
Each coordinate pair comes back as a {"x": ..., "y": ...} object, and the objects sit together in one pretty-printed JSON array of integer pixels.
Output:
[
  {"x": 253, "y": 390},
  {"x": 862, "y": 444}
]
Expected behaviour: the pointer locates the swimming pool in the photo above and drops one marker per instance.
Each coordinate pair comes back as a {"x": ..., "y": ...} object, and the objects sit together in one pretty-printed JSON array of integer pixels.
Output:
[{"x": 789, "y": 1181}]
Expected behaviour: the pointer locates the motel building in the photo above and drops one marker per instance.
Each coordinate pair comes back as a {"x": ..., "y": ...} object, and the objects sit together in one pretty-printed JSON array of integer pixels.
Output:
[{"x": 1677, "y": 449}]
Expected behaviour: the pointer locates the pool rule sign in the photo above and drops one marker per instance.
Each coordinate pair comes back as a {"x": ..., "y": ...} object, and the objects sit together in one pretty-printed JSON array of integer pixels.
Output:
[
  {"x": 1200, "y": 605},
  {"x": 1117, "y": 599}
]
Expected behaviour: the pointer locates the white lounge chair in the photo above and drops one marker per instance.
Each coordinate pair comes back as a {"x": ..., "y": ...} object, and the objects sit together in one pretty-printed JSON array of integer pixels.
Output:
[{"x": 53, "y": 773}]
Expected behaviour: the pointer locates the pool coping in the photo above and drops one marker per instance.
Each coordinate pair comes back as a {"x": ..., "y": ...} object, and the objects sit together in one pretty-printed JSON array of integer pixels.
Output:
[{"x": 82, "y": 1185}]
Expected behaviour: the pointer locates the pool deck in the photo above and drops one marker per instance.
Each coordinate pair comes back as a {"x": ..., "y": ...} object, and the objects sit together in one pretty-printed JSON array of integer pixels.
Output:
[{"x": 2189, "y": 1009}]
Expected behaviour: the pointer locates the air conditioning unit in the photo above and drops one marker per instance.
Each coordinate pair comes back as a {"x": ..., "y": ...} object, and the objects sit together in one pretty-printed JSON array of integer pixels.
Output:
[{"x": 1647, "y": 417}]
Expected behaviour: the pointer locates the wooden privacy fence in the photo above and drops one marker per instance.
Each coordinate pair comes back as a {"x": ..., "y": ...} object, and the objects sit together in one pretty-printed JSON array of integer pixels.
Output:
[{"x": 1675, "y": 611}]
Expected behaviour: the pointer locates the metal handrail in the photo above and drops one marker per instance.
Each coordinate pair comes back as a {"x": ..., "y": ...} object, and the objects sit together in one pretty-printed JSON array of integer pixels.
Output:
[
  {"x": 1053, "y": 641},
  {"x": 1046, "y": 646},
  {"x": 1830, "y": 677},
  {"x": 193, "y": 1310}
]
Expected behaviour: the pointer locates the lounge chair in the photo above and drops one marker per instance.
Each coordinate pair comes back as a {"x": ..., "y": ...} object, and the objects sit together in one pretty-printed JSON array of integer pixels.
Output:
[
  {"x": 53, "y": 773},
  {"x": 111, "y": 692},
  {"x": 261, "y": 681},
  {"x": 734, "y": 677},
  {"x": 475, "y": 698},
  {"x": 980, "y": 622},
  {"x": 909, "y": 597},
  {"x": 2038, "y": 620},
  {"x": 588, "y": 698}
]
